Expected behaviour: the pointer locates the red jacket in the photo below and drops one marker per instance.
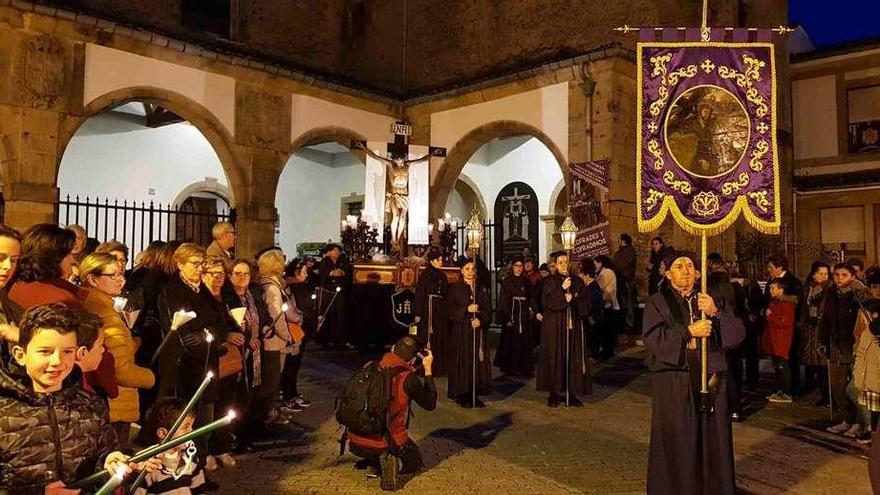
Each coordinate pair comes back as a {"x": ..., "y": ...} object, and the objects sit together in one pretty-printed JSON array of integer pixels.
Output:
[
  {"x": 778, "y": 328},
  {"x": 30, "y": 294},
  {"x": 398, "y": 410}
]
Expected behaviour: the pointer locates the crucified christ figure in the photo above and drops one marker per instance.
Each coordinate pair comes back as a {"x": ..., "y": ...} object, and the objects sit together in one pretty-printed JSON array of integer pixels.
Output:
[{"x": 397, "y": 200}]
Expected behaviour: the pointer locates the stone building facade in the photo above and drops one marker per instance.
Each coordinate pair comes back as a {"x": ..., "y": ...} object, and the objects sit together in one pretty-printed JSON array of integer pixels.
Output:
[
  {"x": 269, "y": 88},
  {"x": 836, "y": 104}
]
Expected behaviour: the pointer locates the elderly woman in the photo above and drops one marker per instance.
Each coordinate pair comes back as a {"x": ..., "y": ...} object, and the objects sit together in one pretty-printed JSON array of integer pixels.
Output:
[
  {"x": 46, "y": 264},
  {"x": 100, "y": 274},
  {"x": 117, "y": 249},
  {"x": 216, "y": 313},
  {"x": 250, "y": 297},
  {"x": 277, "y": 342},
  {"x": 189, "y": 353}
]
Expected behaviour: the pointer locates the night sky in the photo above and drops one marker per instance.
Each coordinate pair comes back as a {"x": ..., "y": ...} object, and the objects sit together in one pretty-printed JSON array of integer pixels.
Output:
[{"x": 829, "y": 23}]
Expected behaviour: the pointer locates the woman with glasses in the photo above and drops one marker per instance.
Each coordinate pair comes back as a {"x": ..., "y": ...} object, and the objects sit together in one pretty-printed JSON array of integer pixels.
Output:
[
  {"x": 191, "y": 352},
  {"x": 99, "y": 273},
  {"x": 256, "y": 317},
  {"x": 232, "y": 388}
]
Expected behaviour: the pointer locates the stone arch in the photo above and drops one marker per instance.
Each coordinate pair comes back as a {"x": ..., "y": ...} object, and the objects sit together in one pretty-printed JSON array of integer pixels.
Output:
[
  {"x": 209, "y": 185},
  {"x": 559, "y": 193},
  {"x": 340, "y": 135},
  {"x": 193, "y": 112},
  {"x": 467, "y": 181},
  {"x": 463, "y": 150}
]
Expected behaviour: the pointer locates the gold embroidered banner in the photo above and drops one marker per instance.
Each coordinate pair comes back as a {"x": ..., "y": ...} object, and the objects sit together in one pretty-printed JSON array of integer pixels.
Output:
[{"x": 707, "y": 135}]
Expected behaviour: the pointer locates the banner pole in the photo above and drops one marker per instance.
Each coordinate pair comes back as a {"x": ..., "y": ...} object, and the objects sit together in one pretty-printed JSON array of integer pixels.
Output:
[
  {"x": 704, "y": 374},
  {"x": 705, "y": 14}
]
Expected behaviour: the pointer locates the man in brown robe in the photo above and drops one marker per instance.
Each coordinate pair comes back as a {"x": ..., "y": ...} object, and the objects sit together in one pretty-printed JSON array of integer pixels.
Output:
[{"x": 691, "y": 450}]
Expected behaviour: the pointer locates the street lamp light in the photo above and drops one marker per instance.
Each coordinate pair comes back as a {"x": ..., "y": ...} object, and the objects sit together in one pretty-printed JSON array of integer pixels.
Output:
[
  {"x": 568, "y": 231},
  {"x": 474, "y": 230}
]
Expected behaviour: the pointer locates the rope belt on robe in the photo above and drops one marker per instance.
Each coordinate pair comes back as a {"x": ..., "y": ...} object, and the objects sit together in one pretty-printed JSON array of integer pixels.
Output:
[{"x": 517, "y": 306}]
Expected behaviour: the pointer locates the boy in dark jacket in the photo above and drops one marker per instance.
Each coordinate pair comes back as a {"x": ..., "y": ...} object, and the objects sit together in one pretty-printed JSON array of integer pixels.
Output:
[{"x": 52, "y": 432}]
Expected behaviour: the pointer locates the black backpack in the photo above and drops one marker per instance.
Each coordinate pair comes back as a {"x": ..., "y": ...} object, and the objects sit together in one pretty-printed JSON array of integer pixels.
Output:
[{"x": 363, "y": 405}]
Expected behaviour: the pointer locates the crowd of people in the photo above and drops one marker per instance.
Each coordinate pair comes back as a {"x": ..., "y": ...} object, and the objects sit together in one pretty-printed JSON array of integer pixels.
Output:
[
  {"x": 819, "y": 335},
  {"x": 98, "y": 356},
  {"x": 107, "y": 357}
]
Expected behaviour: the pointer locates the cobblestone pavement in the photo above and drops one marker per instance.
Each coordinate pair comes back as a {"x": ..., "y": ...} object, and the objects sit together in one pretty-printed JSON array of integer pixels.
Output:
[{"x": 518, "y": 445}]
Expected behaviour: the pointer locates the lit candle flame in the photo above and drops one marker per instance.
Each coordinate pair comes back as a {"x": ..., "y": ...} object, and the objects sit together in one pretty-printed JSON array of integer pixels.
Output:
[
  {"x": 230, "y": 415},
  {"x": 284, "y": 307},
  {"x": 209, "y": 337}
]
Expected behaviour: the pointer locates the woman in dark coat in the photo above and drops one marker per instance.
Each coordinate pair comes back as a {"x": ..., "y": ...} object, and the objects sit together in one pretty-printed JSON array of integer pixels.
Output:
[
  {"x": 428, "y": 311},
  {"x": 189, "y": 354},
  {"x": 813, "y": 353},
  {"x": 469, "y": 315},
  {"x": 142, "y": 287},
  {"x": 515, "y": 355}
]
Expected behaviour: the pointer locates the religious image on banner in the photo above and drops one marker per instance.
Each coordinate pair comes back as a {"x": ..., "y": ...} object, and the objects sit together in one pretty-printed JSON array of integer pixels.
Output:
[
  {"x": 707, "y": 128},
  {"x": 588, "y": 203},
  {"x": 516, "y": 220}
]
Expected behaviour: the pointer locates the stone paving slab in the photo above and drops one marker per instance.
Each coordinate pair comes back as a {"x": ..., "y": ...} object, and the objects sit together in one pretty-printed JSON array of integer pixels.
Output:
[{"x": 518, "y": 445}]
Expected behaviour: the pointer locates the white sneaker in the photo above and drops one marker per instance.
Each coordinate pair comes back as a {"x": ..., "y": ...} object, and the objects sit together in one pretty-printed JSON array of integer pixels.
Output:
[
  {"x": 210, "y": 463},
  {"x": 781, "y": 398},
  {"x": 854, "y": 432},
  {"x": 839, "y": 428},
  {"x": 226, "y": 460}
]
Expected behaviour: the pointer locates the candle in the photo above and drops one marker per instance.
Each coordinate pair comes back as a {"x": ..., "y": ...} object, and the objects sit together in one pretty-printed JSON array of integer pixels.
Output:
[
  {"x": 430, "y": 228},
  {"x": 180, "y": 318},
  {"x": 155, "y": 450},
  {"x": 179, "y": 421},
  {"x": 113, "y": 482},
  {"x": 447, "y": 216}
]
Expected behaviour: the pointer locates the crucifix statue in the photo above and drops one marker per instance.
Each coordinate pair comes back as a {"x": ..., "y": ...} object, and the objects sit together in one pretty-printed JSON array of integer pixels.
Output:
[{"x": 398, "y": 162}]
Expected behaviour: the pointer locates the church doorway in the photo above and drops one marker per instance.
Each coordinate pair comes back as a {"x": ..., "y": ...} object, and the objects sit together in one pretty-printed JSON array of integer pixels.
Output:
[
  {"x": 321, "y": 184},
  {"x": 133, "y": 173}
]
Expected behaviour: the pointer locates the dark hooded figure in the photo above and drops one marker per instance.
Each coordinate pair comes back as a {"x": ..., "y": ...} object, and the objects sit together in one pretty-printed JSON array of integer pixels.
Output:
[
  {"x": 428, "y": 311},
  {"x": 331, "y": 297},
  {"x": 515, "y": 355},
  {"x": 469, "y": 314},
  {"x": 560, "y": 316},
  {"x": 691, "y": 453}
]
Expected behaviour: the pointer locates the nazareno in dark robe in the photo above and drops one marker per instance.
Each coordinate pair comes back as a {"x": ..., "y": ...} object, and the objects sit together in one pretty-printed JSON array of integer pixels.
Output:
[
  {"x": 461, "y": 341},
  {"x": 515, "y": 353},
  {"x": 554, "y": 328},
  {"x": 428, "y": 306},
  {"x": 678, "y": 433}
]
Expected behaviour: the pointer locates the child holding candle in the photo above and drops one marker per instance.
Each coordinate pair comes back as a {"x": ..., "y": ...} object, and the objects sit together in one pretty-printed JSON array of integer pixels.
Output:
[
  {"x": 181, "y": 473},
  {"x": 51, "y": 429}
]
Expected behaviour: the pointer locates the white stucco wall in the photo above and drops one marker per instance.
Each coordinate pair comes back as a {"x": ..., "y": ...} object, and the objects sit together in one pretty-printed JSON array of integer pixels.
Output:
[
  {"x": 545, "y": 108},
  {"x": 113, "y": 156},
  {"x": 309, "y": 196},
  {"x": 108, "y": 70},
  {"x": 309, "y": 113}
]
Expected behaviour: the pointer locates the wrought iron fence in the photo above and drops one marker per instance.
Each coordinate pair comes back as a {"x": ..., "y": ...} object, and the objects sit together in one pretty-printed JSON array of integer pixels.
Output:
[{"x": 138, "y": 224}]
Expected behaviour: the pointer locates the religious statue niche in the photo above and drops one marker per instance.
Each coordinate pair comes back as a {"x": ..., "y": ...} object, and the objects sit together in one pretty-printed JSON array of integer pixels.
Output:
[{"x": 516, "y": 221}]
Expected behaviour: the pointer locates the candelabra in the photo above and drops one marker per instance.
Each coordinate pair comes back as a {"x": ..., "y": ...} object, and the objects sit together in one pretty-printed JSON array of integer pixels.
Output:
[
  {"x": 447, "y": 228},
  {"x": 358, "y": 238}
]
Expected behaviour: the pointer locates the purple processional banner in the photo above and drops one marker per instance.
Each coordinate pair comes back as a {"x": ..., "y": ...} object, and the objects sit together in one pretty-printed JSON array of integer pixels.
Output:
[
  {"x": 707, "y": 135},
  {"x": 588, "y": 203}
]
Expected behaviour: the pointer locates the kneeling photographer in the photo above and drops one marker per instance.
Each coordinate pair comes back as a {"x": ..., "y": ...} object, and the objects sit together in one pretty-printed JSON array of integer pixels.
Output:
[{"x": 375, "y": 409}]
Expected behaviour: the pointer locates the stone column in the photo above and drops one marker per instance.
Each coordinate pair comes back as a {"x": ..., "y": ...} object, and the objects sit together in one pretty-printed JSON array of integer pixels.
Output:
[
  {"x": 40, "y": 90},
  {"x": 262, "y": 131}
]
